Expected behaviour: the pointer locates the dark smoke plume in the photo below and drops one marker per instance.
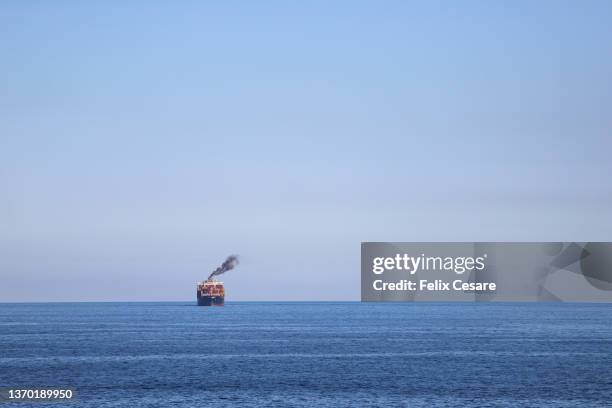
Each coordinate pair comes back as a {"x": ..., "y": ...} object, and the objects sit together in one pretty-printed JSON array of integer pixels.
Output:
[{"x": 229, "y": 264}]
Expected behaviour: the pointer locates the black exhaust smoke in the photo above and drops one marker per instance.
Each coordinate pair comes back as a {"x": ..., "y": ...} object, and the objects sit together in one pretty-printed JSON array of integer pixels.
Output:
[{"x": 230, "y": 263}]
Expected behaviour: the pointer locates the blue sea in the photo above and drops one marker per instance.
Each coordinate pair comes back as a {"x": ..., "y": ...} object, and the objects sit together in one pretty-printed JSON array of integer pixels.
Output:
[{"x": 311, "y": 354}]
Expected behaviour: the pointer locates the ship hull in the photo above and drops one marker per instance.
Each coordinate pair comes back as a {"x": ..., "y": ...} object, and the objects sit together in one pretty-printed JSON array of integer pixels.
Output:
[
  {"x": 211, "y": 300},
  {"x": 211, "y": 293}
]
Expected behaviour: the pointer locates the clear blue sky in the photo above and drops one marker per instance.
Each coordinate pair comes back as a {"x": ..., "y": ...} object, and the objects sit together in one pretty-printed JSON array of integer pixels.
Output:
[{"x": 143, "y": 142}]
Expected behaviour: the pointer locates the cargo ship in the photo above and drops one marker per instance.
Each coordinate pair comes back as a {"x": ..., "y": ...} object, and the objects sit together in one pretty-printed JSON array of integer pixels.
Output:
[{"x": 211, "y": 293}]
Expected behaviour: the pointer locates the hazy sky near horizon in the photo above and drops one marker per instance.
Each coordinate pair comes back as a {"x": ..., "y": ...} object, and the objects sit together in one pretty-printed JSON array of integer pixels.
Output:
[{"x": 143, "y": 142}]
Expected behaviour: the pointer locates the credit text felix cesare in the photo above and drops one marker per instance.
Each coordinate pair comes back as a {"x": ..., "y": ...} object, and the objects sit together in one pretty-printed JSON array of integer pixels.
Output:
[{"x": 414, "y": 264}]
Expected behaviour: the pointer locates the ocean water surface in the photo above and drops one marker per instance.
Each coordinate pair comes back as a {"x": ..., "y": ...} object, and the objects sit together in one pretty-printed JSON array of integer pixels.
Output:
[{"x": 311, "y": 354}]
